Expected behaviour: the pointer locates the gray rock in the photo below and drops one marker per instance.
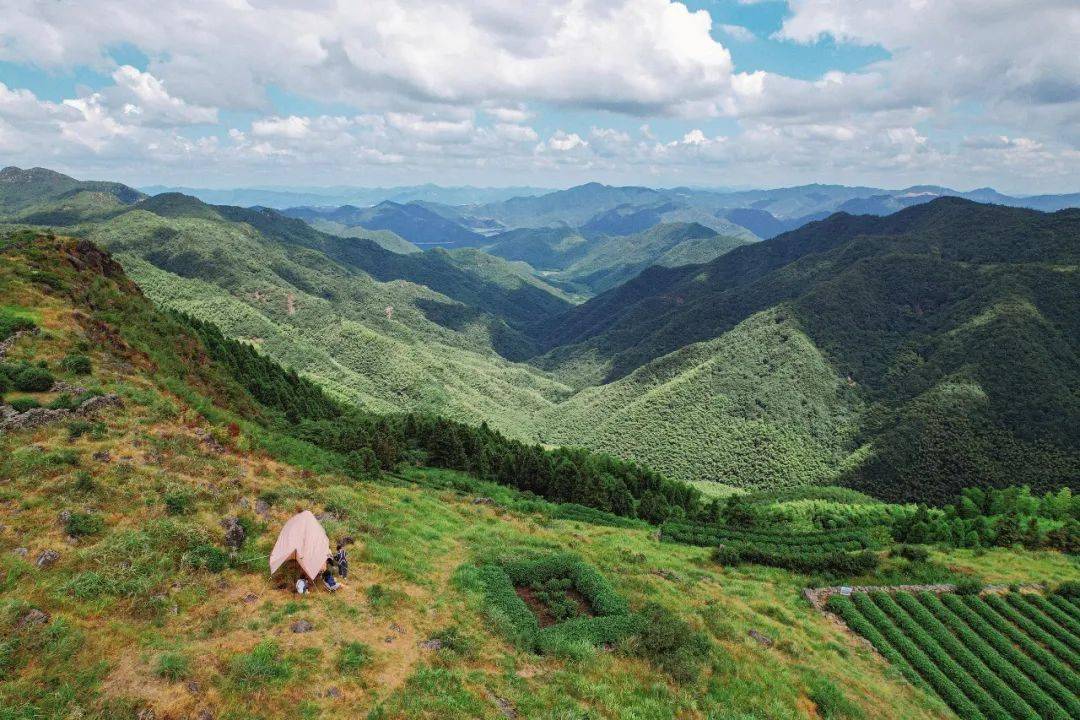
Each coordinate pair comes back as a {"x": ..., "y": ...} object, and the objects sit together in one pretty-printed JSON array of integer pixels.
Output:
[
  {"x": 483, "y": 501},
  {"x": 33, "y": 616},
  {"x": 333, "y": 693},
  {"x": 146, "y": 714},
  {"x": 262, "y": 508},
  {"x": 762, "y": 640},
  {"x": 103, "y": 456},
  {"x": 235, "y": 535},
  {"x": 21, "y": 551},
  {"x": 47, "y": 558},
  {"x": 204, "y": 714},
  {"x": 432, "y": 644},
  {"x": 301, "y": 626}
]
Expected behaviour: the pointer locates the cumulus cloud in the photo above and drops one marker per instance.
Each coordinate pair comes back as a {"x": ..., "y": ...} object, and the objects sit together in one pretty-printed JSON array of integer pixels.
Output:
[
  {"x": 468, "y": 86},
  {"x": 638, "y": 56}
]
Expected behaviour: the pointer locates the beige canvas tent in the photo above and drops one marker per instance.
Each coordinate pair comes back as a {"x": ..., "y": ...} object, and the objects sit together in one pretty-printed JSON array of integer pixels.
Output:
[{"x": 301, "y": 539}]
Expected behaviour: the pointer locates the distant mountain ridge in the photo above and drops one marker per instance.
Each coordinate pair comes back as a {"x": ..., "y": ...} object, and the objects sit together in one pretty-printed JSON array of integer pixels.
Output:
[{"x": 280, "y": 198}]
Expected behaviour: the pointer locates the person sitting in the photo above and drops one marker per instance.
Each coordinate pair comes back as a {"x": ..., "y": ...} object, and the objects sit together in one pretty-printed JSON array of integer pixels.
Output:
[
  {"x": 342, "y": 561},
  {"x": 329, "y": 580},
  {"x": 302, "y": 586}
]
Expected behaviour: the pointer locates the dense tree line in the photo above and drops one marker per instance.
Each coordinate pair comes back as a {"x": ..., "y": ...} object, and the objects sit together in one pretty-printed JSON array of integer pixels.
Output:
[
  {"x": 998, "y": 518},
  {"x": 368, "y": 442}
]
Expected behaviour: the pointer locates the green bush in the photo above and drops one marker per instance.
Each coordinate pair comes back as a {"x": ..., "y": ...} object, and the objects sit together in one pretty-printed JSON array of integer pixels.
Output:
[
  {"x": 80, "y": 524},
  {"x": 76, "y": 364},
  {"x": 178, "y": 501},
  {"x": 10, "y": 323},
  {"x": 837, "y": 562},
  {"x": 670, "y": 644},
  {"x": 63, "y": 402},
  {"x": 173, "y": 666},
  {"x": 353, "y": 657},
  {"x": 914, "y": 553},
  {"x": 33, "y": 379},
  {"x": 969, "y": 586},
  {"x": 22, "y": 404}
]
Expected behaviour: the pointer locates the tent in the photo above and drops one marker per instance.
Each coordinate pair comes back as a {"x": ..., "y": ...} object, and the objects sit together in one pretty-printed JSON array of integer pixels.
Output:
[{"x": 301, "y": 539}]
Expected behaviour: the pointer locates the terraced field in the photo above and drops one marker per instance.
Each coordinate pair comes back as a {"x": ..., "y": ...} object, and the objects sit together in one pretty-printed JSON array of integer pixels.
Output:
[{"x": 988, "y": 657}]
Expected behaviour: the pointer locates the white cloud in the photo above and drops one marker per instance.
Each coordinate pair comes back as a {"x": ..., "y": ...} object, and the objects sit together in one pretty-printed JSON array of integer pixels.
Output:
[
  {"x": 638, "y": 56},
  {"x": 142, "y": 95},
  {"x": 563, "y": 141},
  {"x": 738, "y": 32}
]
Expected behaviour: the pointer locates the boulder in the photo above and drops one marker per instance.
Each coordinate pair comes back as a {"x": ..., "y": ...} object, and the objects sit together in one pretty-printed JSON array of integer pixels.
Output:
[
  {"x": 301, "y": 626},
  {"x": 47, "y": 559},
  {"x": 235, "y": 535}
]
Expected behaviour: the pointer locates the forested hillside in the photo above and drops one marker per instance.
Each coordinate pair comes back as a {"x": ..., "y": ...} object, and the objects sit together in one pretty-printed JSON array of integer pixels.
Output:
[
  {"x": 909, "y": 355},
  {"x": 390, "y": 331},
  {"x": 955, "y": 323}
]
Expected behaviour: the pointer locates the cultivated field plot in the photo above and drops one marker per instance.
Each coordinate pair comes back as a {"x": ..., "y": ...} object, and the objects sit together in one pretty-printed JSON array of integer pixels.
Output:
[{"x": 993, "y": 656}]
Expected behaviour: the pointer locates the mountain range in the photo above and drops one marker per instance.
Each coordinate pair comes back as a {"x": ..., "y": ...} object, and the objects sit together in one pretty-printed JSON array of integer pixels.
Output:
[{"x": 907, "y": 355}]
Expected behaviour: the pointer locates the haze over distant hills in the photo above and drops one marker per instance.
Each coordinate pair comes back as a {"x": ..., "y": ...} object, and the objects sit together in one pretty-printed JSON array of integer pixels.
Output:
[{"x": 284, "y": 197}]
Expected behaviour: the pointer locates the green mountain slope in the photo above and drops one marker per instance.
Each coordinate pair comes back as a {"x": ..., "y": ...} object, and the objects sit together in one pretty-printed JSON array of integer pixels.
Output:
[
  {"x": 41, "y": 196},
  {"x": 413, "y": 221},
  {"x": 956, "y": 323},
  {"x": 760, "y": 406},
  {"x": 386, "y": 239},
  {"x": 319, "y": 303},
  {"x": 612, "y": 261}
]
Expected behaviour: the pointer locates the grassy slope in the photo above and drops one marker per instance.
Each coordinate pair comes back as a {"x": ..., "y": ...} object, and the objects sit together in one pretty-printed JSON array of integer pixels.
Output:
[{"x": 105, "y": 648}]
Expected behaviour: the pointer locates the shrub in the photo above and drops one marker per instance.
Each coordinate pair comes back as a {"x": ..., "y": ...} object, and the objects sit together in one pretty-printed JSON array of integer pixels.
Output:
[
  {"x": 172, "y": 666},
  {"x": 261, "y": 666},
  {"x": 33, "y": 379},
  {"x": 10, "y": 323},
  {"x": 22, "y": 404},
  {"x": 353, "y": 657},
  {"x": 84, "y": 482},
  {"x": 1069, "y": 589},
  {"x": 969, "y": 586},
  {"x": 63, "y": 402},
  {"x": 76, "y": 364},
  {"x": 671, "y": 644},
  {"x": 914, "y": 553},
  {"x": 837, "y": 562},
  {"x": 831, "y": 701},
  {"x": 80, "y": 524},
  {"x": 178, "y": 501}
]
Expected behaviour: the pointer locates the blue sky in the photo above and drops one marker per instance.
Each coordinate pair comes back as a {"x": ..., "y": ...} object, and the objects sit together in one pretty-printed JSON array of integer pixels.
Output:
[{"x": 656, "y": 92}]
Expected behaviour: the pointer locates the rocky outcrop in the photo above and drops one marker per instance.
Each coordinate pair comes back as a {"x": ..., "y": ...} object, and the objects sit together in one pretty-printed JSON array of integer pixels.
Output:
[{"x": 11, "y": 420}]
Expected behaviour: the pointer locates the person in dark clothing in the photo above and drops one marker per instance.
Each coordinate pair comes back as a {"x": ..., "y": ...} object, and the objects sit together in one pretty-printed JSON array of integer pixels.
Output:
[
  {"x": 329, "y": 581},
  {"x": 342, "y": 561}
]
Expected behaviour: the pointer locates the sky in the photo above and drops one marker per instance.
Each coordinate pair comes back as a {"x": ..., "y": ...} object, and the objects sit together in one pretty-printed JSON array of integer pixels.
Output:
[{"x": 552, "y": 93}]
